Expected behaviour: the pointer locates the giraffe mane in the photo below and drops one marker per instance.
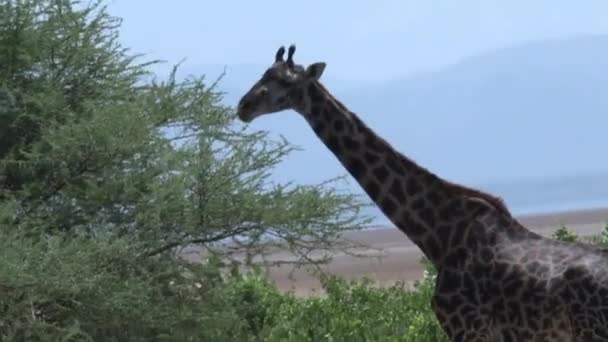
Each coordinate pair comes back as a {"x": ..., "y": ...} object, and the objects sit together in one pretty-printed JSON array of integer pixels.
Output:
[{"x": 495, "y": 201}]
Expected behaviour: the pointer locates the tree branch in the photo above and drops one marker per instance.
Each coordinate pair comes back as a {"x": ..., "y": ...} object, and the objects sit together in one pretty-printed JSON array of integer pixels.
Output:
[{"x": 201, "y": 241}]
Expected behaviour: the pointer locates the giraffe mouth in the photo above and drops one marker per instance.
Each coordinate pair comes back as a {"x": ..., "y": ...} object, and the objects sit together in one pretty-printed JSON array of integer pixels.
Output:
[
  {"x": 244, "y": 111},
  {"x": 245, "y": 119}
]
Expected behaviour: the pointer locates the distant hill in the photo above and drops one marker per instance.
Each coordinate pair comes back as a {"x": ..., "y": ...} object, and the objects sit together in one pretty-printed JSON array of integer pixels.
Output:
[{"x": 526, "y": 111}]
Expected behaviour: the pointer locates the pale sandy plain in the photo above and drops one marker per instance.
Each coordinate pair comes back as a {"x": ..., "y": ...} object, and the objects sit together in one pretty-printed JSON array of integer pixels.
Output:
[{"x": 400, "y": 258}]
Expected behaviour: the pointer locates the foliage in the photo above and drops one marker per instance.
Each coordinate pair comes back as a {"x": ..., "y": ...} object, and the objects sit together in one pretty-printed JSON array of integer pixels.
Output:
[
  {"x": 350, "y": 311},
  {"x": 85, "y": 290},
  {"x": 603, "y": 236},
  {"x": 564, "y": 234},
  {"x": 93, "y": 145},
  {"x": 107, "y": 171}
]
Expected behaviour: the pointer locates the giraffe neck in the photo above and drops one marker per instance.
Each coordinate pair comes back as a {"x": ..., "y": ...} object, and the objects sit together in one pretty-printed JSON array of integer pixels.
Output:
[{"x": 425, "y": 207}]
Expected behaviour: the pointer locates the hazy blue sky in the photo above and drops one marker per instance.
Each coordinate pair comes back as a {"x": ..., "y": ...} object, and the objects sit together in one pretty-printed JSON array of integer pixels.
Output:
[{"x": 381, "y": 39}]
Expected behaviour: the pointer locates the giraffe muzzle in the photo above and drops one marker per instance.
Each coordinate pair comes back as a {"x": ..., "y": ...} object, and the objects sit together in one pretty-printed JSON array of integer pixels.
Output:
[{"x": 244, "y": 111}]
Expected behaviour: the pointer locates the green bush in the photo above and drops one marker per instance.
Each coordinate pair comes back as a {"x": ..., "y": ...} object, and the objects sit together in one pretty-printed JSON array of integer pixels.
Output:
[
  {"x": 80, "y": 290},
  {"x": 349, "y": 311},
  {"x": 565, "y": 234},
  {"x": 603, "y": 236}
]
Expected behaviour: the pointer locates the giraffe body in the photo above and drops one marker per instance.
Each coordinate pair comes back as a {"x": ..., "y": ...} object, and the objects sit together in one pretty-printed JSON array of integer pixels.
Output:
[
  {"x": 497, "y": 281},
  {"x": 510, "y": 284}
]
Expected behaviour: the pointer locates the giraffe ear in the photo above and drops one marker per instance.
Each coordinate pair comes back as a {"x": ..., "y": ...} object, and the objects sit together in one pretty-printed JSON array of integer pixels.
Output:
[{"x": 315, "y": 70}]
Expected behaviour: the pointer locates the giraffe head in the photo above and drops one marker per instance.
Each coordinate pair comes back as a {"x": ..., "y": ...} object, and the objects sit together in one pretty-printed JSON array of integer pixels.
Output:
[{"x": 281, "y": 87}]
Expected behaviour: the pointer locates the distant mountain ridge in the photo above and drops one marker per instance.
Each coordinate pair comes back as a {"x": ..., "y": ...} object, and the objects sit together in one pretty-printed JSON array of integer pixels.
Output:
[{"x": 539, "y": 106}]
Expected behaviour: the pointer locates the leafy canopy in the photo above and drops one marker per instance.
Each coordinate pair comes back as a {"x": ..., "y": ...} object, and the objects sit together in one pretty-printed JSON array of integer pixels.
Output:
[{"x": 92, "y": 144}]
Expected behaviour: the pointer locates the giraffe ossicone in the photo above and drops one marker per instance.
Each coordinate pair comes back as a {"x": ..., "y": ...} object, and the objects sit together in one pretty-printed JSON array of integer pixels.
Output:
[{"x": 496, "y": 280}]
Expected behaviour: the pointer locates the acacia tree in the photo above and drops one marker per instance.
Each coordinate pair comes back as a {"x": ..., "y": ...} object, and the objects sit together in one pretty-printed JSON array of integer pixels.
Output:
[{"x": 93, "y": 145}]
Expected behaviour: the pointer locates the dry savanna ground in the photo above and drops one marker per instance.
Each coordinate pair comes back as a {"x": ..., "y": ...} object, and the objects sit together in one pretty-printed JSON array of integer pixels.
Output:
[{"x": 399, "y": 260}]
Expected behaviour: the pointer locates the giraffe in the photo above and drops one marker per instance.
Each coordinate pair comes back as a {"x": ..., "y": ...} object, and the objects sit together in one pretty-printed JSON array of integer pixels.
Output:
[{"x": 497, "y": 280}]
